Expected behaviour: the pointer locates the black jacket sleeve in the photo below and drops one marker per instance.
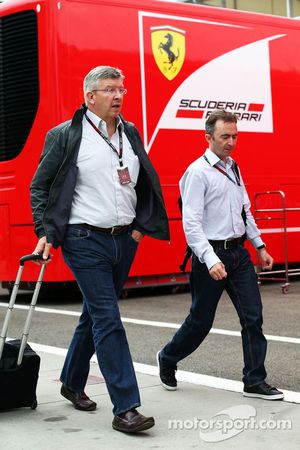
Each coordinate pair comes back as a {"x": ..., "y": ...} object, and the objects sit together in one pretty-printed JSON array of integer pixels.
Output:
[{"x": 50, "y": 162}]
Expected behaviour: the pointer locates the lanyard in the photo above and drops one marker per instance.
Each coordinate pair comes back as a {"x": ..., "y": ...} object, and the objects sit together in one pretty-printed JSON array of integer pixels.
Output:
[
  {"x": 237, "y": 181},
  {"x": 120, "y": 153}
]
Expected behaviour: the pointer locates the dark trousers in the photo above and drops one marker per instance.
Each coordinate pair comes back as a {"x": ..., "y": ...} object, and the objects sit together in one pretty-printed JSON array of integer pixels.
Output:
[
  {"x": 100, "y": 263},
  {"x": 241, "y": 286}
]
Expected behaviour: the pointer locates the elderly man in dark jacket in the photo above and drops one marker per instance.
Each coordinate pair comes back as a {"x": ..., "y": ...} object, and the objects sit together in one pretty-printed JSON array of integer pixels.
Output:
[{"x": 96, "y": 194}]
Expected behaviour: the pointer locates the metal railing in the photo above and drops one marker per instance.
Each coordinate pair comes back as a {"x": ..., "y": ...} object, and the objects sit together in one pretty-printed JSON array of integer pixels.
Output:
[{"x": 267, "y": 214}]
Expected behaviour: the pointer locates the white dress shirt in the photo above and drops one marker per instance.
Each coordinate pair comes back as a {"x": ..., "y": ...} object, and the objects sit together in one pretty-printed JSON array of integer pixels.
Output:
[
  {"x": 99, "y": 198},
  {"x": 212, "y": 207}
]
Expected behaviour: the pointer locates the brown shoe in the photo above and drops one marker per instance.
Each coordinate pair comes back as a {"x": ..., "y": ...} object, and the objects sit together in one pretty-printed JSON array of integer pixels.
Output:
[
  {"x": 79, "y": 399},
  {"x": 132, "y": 422}
]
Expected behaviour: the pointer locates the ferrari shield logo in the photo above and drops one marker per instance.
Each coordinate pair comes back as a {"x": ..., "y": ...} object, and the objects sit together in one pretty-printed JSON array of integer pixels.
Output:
[{"x": 168, "y": 47}]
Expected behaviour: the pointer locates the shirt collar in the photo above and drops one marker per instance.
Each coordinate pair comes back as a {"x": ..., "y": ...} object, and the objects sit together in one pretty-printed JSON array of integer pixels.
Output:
[
  {"x": 100, "y": 123},
  {"x": 214, "y": 159}
]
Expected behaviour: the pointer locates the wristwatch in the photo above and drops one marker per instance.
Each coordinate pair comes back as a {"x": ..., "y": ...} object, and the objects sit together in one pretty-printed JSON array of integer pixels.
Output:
[{"x": 261, "y": 246}]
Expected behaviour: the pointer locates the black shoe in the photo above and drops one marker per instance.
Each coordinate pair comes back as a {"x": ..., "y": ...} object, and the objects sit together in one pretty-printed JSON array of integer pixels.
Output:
[
  {"x": 132, "y": 422},
  {"x": 263, "y": 390},
  {"x": 166, "y": 373},
  {"x": 79, "y": 399}
]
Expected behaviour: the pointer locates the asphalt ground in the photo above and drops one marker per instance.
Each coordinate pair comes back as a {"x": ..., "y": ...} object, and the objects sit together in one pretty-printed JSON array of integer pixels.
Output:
[
  {"x": 219, "y": 355},
  {"x": 209, "y": 380}
]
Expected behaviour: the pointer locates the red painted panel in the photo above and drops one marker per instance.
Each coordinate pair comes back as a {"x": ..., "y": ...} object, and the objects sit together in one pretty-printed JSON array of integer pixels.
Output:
[{"x": 76, "y": 35}]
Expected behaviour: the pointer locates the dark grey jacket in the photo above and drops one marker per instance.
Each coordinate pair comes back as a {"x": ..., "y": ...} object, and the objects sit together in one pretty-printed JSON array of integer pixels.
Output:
[{"x": 52, "y": 187}]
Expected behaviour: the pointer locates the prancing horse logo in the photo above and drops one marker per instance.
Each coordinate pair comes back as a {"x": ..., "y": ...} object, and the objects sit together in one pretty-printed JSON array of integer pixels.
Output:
[{"x": 168, "y": 47}]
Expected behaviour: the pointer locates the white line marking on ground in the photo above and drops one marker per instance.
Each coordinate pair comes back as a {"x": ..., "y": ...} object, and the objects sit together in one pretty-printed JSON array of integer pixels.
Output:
[
  {"x": 151, "y": 323},
  {"x": 181, "y": 375}
]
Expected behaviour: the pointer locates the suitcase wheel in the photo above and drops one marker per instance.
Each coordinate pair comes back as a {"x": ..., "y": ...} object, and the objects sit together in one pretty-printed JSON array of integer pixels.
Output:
[{"x": 34, "y": 404}]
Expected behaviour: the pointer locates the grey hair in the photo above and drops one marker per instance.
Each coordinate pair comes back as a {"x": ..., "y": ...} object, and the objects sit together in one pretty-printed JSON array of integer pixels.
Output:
[
  {"x": 218, "y": 114},
  {"x": 90, "y": 81}
]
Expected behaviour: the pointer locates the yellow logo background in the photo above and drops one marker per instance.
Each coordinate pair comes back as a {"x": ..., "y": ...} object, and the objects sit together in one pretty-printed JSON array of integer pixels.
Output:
[{"x": 168, "y": 47}]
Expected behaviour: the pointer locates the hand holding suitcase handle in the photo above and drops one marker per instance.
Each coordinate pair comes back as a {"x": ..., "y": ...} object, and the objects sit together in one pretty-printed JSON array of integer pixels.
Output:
[
  {"x": 42, "y": 248},
  {"x": 31, "y": 257}
]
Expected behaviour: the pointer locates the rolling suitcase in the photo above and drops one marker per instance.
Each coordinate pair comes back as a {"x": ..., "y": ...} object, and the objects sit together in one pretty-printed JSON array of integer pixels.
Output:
[{"x": 19, "y": 364}]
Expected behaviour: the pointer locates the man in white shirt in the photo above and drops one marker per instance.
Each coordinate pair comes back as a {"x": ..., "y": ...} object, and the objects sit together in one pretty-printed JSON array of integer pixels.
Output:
[
  {"x": 216, "y": 221},
  {"x": 96, "y": 194}
]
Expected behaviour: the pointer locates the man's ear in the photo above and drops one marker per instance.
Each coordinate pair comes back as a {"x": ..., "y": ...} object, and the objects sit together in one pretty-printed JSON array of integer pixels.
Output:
[
  {"x": 208, "y": 138},
  {"x": 90, "y": 97}
]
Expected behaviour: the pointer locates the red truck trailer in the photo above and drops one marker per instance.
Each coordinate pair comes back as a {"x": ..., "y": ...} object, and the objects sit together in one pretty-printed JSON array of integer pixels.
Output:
[{"x": 181, "y": 61}]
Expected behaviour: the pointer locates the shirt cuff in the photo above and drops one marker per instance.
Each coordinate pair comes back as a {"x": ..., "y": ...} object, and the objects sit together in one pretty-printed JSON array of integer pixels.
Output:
[
  {"x": 257, "y": 242},
  {"x": 211, "y": 259}
]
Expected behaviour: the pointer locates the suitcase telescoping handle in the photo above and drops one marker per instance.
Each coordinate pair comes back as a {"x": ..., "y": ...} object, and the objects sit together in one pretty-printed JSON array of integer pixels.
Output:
[{"x": 31, "y": 257}]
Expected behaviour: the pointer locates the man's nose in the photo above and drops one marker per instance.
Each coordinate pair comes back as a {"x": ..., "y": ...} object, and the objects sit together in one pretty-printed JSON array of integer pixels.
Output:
[{"x": 117, "y": 94}]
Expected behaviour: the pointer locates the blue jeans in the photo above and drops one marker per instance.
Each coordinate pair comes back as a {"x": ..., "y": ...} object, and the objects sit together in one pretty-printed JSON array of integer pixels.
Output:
[
  {"x": 241, "y": 286},
  {"x": 100, "y": 263}
]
